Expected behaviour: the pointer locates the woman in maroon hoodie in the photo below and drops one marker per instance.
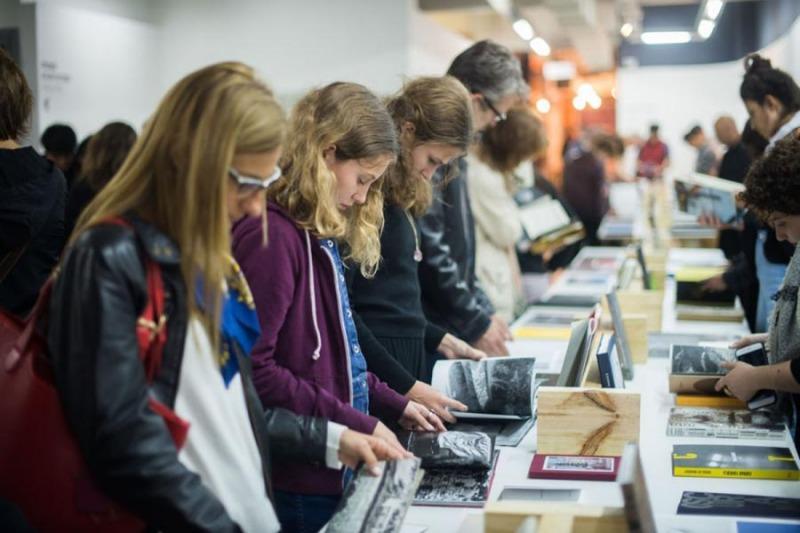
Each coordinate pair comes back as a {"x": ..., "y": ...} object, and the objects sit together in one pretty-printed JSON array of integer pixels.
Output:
[{"x": 308, "y": 358}]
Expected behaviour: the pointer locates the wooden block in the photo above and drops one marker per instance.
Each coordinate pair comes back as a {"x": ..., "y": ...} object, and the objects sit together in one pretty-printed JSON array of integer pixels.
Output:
[
  {"x": 649, "y": 303},
  {"x": 584, "y": 421},
  {"x": 552, "y": 517},
  {"x": 636, "y": 330}
]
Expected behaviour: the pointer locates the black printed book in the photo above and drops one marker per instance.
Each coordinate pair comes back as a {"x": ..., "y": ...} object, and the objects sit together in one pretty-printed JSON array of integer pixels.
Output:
[
  {"x": 726, "y": 423},
  {"x": 722, "y": 504}
]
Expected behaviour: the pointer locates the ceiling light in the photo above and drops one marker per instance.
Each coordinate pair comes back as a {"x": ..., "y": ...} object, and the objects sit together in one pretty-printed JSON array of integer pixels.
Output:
[
  {"x": 578, "y": 103},
  {"x": 595, "y": 101},
  {"x": 713, "y": 8},
  {"x": 540, "y": 46},
  {"x": 523, "y": 29},
  {"x": 501, "y": 6},
  {"x": 585, "y": 90},
  {"x": 626, "y": 29},
  {"x": 543, "y": 105},
  {"x": 705, "y": 28},
  {"x": 614, "y": 93},
  {"x": 666, "y": 37}
]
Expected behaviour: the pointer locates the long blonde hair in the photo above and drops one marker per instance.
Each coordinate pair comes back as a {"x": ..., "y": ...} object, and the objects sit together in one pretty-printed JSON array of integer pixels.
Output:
[
  {"x": 176, "y": 175},
  {"x": 355, "y": 121},
  {"x": 441, "y": 112}
]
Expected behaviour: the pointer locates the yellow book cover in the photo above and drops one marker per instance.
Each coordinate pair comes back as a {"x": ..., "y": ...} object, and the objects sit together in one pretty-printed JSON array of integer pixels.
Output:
[
  {"x": 742, "y": 462},
  {"x": 539, "y": 332},
  {"x": 704, "y": 400}
]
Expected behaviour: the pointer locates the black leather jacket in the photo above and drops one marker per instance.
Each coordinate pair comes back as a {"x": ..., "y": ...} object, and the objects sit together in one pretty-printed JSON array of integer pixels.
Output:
[
  {"x": 451, "y": 295},
  {"x": 96, "y": 300}
]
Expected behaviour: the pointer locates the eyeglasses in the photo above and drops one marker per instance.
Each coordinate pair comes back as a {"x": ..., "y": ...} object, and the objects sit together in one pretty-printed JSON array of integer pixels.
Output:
[
  {"x": 251, "y": 184},
  {"x": 498, "y": 116}
]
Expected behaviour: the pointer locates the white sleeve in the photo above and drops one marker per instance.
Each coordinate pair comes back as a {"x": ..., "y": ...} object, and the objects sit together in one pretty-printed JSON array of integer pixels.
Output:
[{"x": 332, "y": 445}]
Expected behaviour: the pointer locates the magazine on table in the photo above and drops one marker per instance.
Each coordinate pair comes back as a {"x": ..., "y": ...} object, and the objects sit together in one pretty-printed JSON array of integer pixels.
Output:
[
  {"x": 496, "y": 388},
  {"x": 456, "y": 487},
  {"x": 377, "y": 503},
  {"x": 726, "y": 423},
  {"x": 700, "y": 194}
]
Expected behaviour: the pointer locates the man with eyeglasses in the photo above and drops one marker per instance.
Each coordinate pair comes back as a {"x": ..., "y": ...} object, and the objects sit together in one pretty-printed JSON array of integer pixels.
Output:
[{"x": 451, "y": 295}]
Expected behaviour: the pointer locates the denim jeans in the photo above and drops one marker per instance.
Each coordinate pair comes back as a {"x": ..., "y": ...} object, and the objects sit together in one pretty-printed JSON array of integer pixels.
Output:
[{"x": 304, "y": 513}]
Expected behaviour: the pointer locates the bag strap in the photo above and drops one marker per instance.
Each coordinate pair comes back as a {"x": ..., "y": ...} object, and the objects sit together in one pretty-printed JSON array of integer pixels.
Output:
[
  {"x": 151, "y": 326},
  {"x": 9, "y": 260}
]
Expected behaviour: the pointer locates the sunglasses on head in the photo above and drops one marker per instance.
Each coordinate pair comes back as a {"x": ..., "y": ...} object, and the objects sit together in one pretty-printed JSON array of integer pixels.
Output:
[{"x": 251, "y": 184}]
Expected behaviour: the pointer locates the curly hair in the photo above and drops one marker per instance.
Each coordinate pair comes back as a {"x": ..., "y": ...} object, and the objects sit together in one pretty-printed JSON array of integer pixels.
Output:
[
  {"x": 440, "y": 111},
  {"x": 355, "y": 121},
  {"x": 773, "y": 182}
]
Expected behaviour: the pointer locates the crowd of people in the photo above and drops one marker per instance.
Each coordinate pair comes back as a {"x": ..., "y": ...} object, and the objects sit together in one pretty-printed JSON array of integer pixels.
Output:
[{"x": 301, "y": 274}]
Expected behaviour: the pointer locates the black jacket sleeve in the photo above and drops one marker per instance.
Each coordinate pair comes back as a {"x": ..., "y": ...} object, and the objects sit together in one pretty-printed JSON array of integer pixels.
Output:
[
  {"x": 433, "y": 337},
  {"x": 295, "y": 437},
  {"x": 380, "y": 362},
  {"x": 100, "y": 379},
  {"x": 440, "y": 279}
]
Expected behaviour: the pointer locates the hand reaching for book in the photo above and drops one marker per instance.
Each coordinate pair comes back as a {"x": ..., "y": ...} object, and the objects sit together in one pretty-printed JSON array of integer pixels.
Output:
[
  {"x": 355, "y": 447},
  {"x": 454, "y": 348},
  {"x": 715, "y": 284},
  {"x": 435, "y": 401},
  {"x": 494, "y": 340},
  {"x": 741, "y": 381},
  {"x": 386, "y": 434},
  {"x": 417, "y": 417},
  {"x": 747, "y": 340}
]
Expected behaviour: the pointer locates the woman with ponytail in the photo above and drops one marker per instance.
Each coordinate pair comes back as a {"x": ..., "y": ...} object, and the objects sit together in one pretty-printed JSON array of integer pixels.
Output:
[{"x": 772, "y": 99}]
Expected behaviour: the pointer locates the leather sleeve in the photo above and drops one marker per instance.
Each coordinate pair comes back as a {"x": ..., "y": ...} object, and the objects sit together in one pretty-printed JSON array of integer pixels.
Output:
[
  {"x": 440, "y": 280},
  {"x": 92, "y": 343},
  {"x": 295, "y": 437}
]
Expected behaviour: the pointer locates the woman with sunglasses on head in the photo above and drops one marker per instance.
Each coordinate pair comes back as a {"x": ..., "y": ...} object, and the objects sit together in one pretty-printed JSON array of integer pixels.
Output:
[
  {"x": 322, "y": 212},
  {"x": 433, "y": 120},
  {"x": 213, "y": 128}
]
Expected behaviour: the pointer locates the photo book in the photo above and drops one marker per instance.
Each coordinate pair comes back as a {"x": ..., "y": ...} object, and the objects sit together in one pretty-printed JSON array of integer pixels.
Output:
[
  {"x": 699, "y": 194},
  {"x": 749, "y": 505},
  {"x": 690, "y": 281},
  {"x": 726, "y": 423},
  {"x": 574, "y": 467},
  {"x": 377, "y": 503},
  {"x": 737, "y": 462}
]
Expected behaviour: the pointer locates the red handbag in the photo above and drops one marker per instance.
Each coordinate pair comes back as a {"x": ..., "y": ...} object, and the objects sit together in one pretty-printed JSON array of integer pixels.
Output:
[{"x": 41, "y": 469}]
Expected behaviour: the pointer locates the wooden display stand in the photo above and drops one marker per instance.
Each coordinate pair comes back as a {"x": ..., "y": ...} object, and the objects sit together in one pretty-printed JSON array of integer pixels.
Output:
[
  {"x": 549, "y": 517},
  {"x": 647, "y": 303},
  {"x": 636, "y": 327},
  {"x": 586, "y": 421}
]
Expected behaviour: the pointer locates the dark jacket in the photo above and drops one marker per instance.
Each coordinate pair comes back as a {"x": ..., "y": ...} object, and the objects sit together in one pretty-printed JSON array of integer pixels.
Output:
[
  {"x": 32, "y": 197},
  {"x": 733, "y": 167},
  {"x": 390, "y": 303},
  {"x": 301, "y": 361},
  {"x": 451, "y": 295},
  {"x": 586, "y": 190},
  {"x": 100, "y": 292}
]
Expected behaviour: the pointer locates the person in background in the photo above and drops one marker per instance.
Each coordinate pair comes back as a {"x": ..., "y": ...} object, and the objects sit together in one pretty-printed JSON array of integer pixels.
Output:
[
  {"x": 733, "y": 167},
  {"x": 433, "y": 119},
  {"x": 586, "y": 186},
  {"x": 494, "y": 163},
  {"x": 653, "y": 156},
  {"x": 322, "y": 212},
  {"x": 451, "y": 295},
  {"x": 105, "y": 153},
  {"x": 772, "y": 99},
  {"x": 231, "y": 130},
  {"x": 32, "y": 196},
  {"x": 773, "y": 192},
  {"x": 706, "y": 162},
  {"x": 60, "y": 142}
]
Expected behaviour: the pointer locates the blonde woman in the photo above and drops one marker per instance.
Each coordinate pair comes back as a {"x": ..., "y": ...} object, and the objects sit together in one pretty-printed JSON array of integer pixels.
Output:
[
  {"x": 201, "y": 163},
  {"x": 433, "y": 119},
  {"x": 308, "y": 358}
]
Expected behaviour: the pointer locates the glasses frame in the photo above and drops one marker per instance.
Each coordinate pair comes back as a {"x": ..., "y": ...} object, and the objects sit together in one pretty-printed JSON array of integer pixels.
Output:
[
  {"x": 246, "y": 182},
  {"x": 499, "y": 117}
]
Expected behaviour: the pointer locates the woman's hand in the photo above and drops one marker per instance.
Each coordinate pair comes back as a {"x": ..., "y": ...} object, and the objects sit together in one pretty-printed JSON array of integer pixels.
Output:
[
  {"x": 355, "y": 447},
  {"x": 382, "y": 432},
  {"x": 417, "y": 417},
  {"x": 715, "y": 284},
  {"x": 747, "y": 340},
  {"x": 742, "y": 380},
  {"x": 435, "y": 401},
  {"x": 454, "y": 348}
]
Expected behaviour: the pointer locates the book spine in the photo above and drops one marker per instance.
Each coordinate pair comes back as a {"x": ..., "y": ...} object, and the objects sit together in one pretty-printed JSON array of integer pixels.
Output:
[
  {"x": 739, "y": 473},
  {"x": 604, "y": 365}
]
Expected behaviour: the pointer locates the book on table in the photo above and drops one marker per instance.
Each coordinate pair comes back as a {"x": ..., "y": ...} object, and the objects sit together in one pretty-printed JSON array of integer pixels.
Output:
[
  {"x": 459, "y": 466},
  {"x": 714, "y": 401},
  {"x": 700, "y": 194},
  {"x": 736, "y": 462},
  {"x": 574, "y": 467},
  {"x": 726, "y": 423},
  {"x": 689, "y": 282},
  {"x": 608, "y": 363},
  {"x": 548, "y": 225},
  {"x": 750, "y": 505}
]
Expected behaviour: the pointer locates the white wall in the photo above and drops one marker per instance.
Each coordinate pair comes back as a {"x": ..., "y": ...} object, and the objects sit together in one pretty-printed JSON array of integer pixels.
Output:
[
  {"x": 95, "y": 67},
  {"x": 431, "y": 46},
  {"x": 295, "y": 45},
  {"x": 678, "y": 96}
]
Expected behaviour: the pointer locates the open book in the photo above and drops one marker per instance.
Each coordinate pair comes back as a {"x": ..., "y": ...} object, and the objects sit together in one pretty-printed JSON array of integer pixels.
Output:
[
  {"x": 547, "y": 224},
  {"x": 699, "y": 194},
  {"x": 377, "y": 503},
  {"x": 494, "y": 388}
]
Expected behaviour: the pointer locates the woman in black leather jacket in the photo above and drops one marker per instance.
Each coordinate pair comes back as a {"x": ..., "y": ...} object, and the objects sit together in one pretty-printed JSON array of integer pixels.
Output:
[{"x": 203, "y": 161}]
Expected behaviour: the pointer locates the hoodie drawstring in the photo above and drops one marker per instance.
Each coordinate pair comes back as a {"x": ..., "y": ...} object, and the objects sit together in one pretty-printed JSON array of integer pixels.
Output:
[{"x": 315, "y": 355}]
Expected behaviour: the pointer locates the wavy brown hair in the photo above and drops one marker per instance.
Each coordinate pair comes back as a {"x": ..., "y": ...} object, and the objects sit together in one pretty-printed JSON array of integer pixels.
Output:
[
  {"x": 773, "y": 182},
  {"x": 511, "y": 142},
  {"x": 176, "y": 175},
  {"x": 355, "y": 121},
  {"x": 439, "y": 109}
]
